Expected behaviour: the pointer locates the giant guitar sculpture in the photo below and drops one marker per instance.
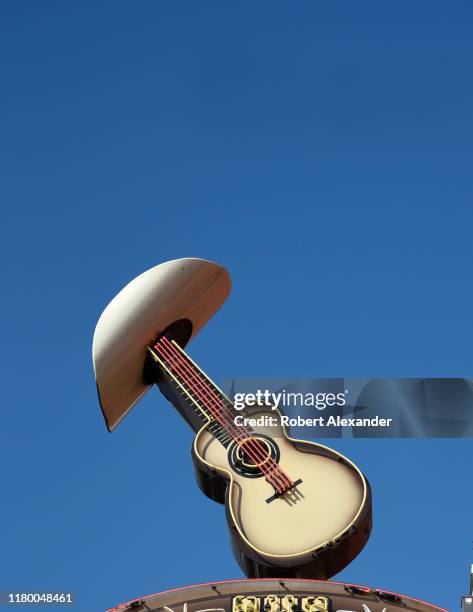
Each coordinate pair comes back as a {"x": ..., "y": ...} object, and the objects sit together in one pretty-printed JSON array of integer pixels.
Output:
[{"x": 294, "y": 508}]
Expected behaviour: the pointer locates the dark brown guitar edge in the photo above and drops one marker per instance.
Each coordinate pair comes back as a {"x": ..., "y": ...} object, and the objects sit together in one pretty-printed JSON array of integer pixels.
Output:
[
  {"x": 210, "y": 482},
  {"x": 325, "y": 562}
]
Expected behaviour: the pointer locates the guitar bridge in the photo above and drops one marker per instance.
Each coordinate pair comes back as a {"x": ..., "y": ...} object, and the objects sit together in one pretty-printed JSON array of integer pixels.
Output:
[{"x": 276, "y": 495}]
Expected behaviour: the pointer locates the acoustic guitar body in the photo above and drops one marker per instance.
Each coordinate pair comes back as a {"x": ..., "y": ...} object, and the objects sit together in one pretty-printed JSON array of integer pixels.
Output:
[{"x": 314, "y": 530}]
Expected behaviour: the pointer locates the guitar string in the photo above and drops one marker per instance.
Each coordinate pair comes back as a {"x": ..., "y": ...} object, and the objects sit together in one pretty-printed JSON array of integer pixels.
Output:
[
  {"x": 277, "y": 473},
  {"x": 163, "y": 353},
  {"x": 277, "y": 470},
  {"x": 217, "y": 416}
]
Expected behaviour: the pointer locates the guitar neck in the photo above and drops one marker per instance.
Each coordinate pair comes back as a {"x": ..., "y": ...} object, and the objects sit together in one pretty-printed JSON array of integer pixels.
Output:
[
  {"x": 192, "y": 385},
  {"x": 215, "y": 408}
]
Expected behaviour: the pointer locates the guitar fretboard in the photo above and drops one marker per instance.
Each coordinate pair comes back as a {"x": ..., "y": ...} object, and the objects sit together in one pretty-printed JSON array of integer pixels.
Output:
[{"x": 196, "y": 388}]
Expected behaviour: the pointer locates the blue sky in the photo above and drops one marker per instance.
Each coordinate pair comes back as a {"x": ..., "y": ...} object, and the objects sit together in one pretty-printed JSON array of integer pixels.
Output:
[{"x": 323, "y": 154}]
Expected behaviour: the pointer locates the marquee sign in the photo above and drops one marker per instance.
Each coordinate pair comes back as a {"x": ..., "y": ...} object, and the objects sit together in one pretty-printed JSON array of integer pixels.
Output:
[{"x": 272, "y": 595}]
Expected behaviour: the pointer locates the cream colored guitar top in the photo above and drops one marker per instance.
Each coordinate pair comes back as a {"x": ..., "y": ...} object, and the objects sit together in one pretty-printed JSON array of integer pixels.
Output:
[{"x": 315, "y": 512}]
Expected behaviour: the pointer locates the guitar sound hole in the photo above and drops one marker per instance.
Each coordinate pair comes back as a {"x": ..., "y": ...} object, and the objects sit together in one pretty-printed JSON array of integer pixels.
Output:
[{"x": 253, "y": 456}]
